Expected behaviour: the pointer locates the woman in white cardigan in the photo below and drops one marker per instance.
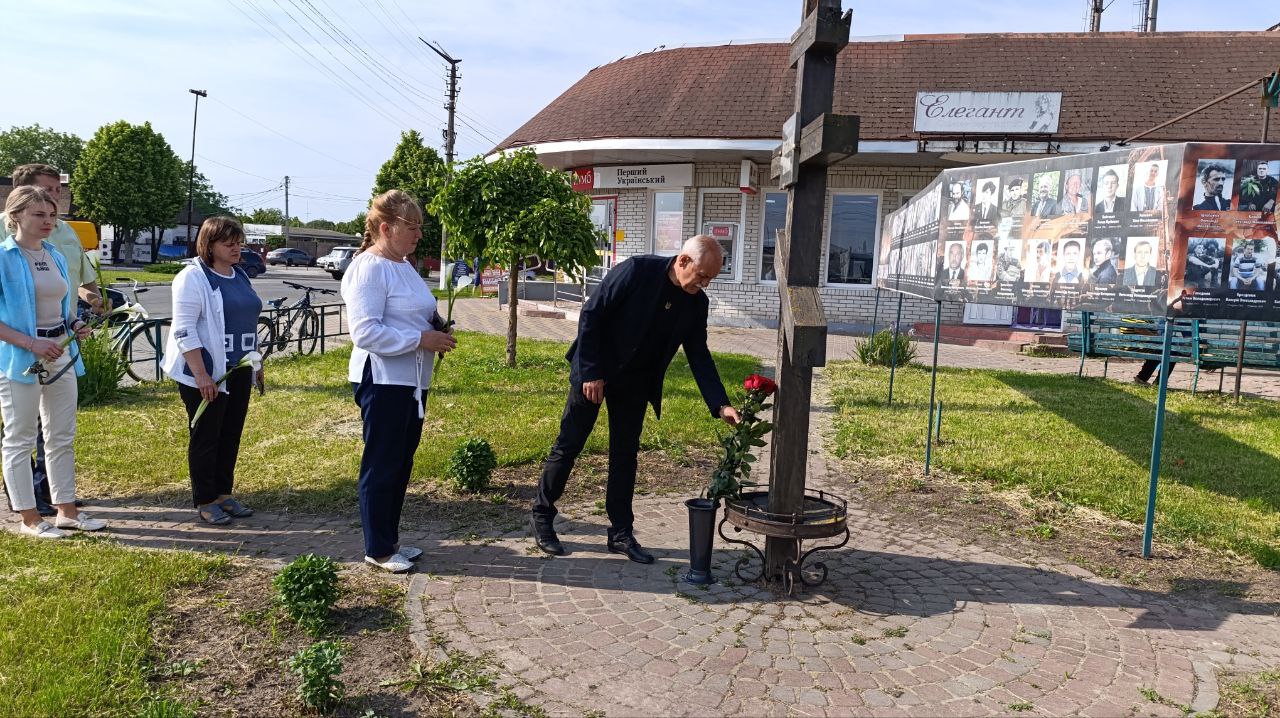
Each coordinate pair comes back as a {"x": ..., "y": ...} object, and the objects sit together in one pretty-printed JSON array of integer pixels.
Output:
[
  {"x": 215, "y": 317},
  {"x": 395, "y": 331}
]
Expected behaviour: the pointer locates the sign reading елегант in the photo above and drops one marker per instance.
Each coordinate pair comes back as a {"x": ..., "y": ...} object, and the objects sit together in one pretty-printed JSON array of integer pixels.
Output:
[{"x": 1005, "y": 113}]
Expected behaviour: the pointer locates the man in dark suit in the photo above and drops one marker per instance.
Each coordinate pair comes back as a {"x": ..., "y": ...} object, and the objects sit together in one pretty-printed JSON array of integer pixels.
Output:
[
  {"x": 629, "y": 330},
  {"x": 1213, "y": 178},
  {"x": 1141, "y": 274}
]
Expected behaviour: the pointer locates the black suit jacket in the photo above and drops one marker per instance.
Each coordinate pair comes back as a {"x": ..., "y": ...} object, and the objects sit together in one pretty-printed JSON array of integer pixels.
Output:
[
  {"x": 1209, "y": 203},
  {"x": 614, "y": 321}
]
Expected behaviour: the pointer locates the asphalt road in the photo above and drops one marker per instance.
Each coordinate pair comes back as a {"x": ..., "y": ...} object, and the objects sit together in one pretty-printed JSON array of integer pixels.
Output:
[{"x": 158, "y": 299}]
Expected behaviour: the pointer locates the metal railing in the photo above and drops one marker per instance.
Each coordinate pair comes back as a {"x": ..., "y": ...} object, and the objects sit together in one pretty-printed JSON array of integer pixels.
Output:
[{"x": 145, "y": 356}]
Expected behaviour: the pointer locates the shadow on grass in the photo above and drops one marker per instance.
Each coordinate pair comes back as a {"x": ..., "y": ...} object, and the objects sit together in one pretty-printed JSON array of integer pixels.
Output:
[{"x": 1126, "y": 424}]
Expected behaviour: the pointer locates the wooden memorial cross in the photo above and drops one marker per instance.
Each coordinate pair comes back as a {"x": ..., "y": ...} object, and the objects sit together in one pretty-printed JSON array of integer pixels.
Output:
[{"x": 813, "y": 138}]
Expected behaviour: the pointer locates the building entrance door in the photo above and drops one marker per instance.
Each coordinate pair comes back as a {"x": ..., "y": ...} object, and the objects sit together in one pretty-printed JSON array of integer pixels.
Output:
[
  {"x": 604, "y": 215},
  {"x": 988, "y": 314}
]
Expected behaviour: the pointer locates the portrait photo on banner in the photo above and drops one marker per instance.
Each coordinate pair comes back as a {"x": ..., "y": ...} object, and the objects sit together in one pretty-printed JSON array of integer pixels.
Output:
[
  {"x": 1045, "y": 189},
  {"x": 1103, "y": 257},
  {"x": 952, "y": 273},
  {"x": 1148, "y": 193},
  {"x": 1259, "y": 186},
  {"x": 1214, "y": 180},
  {"x": 1075, "y": 191},
  {"x": 1204, "y": 266},
  {"x": 981, "y": 267},
  {"x": 1141, "y": 263},
  {"x": 986, "y": 205},
  {"x": 1013, "y": 202},
  {"x": 1038, "y": 266},
  {"x": 959, "y": 200},
  {"x": 1111, "y": 190},
  {"x": 1008, "y": 260},
  {"x": 1252, "y": 264}
]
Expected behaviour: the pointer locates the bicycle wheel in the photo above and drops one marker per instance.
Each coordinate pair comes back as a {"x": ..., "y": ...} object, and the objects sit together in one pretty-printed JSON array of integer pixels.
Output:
[
  {"x": 266, "y": 336},
  {"x": 308, "y": 332},
  {"x": 143, "y": 350}
]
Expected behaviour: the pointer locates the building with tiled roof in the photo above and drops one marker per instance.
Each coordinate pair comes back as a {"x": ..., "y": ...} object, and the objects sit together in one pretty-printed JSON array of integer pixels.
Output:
[{"x": 694, "y": 129}]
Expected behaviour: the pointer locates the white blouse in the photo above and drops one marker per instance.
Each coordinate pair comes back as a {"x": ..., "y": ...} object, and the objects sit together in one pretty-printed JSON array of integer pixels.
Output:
[{"x": 389, "y": 307}]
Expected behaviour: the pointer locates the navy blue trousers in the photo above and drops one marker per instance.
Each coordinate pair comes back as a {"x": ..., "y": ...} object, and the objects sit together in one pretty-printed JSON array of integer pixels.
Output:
[{"x": 392, "y": 430}]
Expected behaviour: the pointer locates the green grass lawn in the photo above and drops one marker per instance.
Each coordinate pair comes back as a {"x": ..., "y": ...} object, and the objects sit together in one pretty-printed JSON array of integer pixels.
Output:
[
  {"x": 1086, "y": 441},
  {"x": 112, "y": 276},
  {"x": 76, "y": 616},
  {"x": 302, "y": 442}
]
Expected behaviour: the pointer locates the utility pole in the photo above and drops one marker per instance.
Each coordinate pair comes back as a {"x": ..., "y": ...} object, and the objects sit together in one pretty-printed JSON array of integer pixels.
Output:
[
  {"x": 286, "y": 210},
  {"x": 1095, "y": 15},
  {"x": 191, "y": 179},
  {"x": 1149, "y": 23},
  {"x": 449, "y": 136}
]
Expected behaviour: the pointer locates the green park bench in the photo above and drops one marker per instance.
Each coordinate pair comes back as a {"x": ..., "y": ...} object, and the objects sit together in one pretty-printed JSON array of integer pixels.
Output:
[{"x": 1208, "y": 344}]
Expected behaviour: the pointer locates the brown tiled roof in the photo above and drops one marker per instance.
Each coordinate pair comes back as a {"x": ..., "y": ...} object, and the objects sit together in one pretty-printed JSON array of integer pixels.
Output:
[{"x": 1114, "y": 85}]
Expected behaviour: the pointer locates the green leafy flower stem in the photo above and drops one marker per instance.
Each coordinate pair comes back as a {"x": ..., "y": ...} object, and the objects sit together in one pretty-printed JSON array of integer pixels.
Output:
[
  {"x": 252, "y": 360},
  {"x": 733, "y": 472},
  {"x": 37, "y": 367}
]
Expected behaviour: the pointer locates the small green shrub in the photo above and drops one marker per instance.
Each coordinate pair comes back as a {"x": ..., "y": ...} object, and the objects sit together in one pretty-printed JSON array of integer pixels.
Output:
[
  {"x": 471, "y": 465},
  {"x": 307, "y": 589},
  {"x": 166, "y": 267},
  {"x": 877, "y": 349},
  {"x": 318, "y": 665},
  {"x": 275, "y": 241},
  {"x": 104, "y": 367}
]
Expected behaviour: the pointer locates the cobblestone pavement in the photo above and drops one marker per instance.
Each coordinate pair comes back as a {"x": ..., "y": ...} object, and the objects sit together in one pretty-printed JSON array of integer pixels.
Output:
[
  {"x": 482, "y": 315},
  {"x": 907, "y": 624}
]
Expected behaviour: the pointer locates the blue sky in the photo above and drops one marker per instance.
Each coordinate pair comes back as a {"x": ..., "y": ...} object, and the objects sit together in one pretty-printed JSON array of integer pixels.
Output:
[{"x": 283, "y": 101}]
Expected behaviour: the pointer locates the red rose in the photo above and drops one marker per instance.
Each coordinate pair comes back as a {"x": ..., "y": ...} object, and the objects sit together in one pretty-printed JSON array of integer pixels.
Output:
[{"x": 757, "y": 383}]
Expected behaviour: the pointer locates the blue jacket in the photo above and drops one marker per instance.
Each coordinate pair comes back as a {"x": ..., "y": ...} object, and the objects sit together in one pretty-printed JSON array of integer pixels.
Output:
[{"x": 18, "y": 308}]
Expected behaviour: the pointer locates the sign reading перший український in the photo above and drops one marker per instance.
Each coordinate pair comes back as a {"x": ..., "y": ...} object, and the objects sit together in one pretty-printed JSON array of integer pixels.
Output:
[
  {"x": 988, "y": 112},
  {"x": 644, "y": 176}
]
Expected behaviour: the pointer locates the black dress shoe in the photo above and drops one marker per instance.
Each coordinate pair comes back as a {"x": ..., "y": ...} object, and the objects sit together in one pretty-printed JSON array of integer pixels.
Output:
[
  {"x": 627, "y": 543},
  {"x": 544, "y": 536}
]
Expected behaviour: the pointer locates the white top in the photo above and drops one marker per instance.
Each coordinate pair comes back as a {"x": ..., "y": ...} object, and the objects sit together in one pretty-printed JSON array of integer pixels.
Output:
[
  {"x": 389, "y": 307},
  {"x": 198, "y": 323}
]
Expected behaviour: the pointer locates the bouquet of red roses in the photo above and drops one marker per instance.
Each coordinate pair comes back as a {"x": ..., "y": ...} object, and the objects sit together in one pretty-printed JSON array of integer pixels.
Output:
[{"x": 731, "y": 475}]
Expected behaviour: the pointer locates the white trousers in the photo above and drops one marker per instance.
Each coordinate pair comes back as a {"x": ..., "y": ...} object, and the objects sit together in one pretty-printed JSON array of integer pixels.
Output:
[{"x": 55, "y": 404}]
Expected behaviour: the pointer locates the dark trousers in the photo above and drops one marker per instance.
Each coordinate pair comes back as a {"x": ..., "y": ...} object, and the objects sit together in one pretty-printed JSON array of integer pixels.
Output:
[
  {"x": 1149, "y": 367},
  {"x": 392, "y": 430},
  {"x": 626, "y": 419},
  {"x": 214, "y": 444},
  {"x": 39, "y": 478}
]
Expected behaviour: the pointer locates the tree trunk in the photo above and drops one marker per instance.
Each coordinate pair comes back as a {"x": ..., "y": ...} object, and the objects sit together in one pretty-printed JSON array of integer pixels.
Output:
[
  {"x": 117, "y": 241},
  {"x": 513, "y": 278}
]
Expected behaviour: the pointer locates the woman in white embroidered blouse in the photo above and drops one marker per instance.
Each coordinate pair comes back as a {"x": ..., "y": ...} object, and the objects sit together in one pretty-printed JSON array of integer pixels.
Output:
[{"x": 395, "y": 332}]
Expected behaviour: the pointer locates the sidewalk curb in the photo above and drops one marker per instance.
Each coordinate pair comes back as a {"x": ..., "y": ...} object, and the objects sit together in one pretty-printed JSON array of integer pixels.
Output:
[{"x": 141, "y": 284}]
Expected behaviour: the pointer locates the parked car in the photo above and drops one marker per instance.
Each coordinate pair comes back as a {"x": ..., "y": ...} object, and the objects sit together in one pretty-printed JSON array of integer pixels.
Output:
[
  {"x": 290, "y": 257},
  {"x": 250, "y": 261},
  {"x": 172, "y": 252},
  {"x": 337, "y": 260}
]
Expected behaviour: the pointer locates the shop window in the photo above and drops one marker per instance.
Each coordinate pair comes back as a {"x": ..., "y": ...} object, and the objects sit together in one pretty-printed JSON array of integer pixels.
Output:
[
  {"x": 668, "y": 222},
  {"x": 851, "y": 250},
  {"x": 775, "y": 220}
]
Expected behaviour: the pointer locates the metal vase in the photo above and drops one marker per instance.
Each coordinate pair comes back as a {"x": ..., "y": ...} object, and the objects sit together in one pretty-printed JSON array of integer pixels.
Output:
[{"x": 702, "y": 522}]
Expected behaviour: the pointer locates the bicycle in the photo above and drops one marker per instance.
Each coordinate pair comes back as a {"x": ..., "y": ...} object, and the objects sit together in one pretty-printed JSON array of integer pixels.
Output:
[
  {"x": 275, "y": 333},
  {"x": 138, "y": 340}
]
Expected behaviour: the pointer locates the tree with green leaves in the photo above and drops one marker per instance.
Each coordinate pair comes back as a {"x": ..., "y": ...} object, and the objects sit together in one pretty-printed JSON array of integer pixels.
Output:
[
  {"x": 512, "y": 209},
  {"x": 129, "y": 177},
  {"x": 36, "y": 144},
  {"x": 267, "y": 215},
  {"x": 320, "y": 224},
  {"x": 355, "y": 226},
  {"x": 414, "y": 168},
  {"x": 208, "y": 201}
]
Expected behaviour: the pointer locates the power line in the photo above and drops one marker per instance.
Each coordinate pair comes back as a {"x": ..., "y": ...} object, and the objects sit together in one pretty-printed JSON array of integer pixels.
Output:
[
  {"x": 237, "y": 169},
  {"x": 308, "y": 57},
  {"x": 296, "y": 142}
]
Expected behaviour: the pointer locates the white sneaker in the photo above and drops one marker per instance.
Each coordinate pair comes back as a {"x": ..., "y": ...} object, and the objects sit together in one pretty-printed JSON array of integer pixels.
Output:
[
  {"x": 42, "y": 530},
  {"x": 413, "y": 553},
  {"x": 395, "y": 563},
  {"x": 83, "y": 522}
]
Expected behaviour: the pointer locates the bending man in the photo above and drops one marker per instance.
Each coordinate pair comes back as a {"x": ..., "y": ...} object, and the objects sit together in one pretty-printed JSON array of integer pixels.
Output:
[{"x": 628, "y": 332}]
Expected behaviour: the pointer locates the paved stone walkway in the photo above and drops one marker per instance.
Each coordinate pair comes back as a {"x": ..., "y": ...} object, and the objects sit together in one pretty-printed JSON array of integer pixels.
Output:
[{"x": 908, "y": 623}]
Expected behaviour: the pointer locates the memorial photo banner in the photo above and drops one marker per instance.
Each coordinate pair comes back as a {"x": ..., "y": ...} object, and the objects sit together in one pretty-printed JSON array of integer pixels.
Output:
[{"x": 1182, "y": 230}]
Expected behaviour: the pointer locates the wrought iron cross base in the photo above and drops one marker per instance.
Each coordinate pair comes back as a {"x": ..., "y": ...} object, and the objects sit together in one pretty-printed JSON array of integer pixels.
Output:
[{"x": 794, "y": 571}]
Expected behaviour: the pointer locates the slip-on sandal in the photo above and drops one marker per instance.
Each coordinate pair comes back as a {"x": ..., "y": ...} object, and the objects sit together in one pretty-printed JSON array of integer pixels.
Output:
[
  {"x": 395, "y": 563},
  {"x": 213, "y": 515},
  {"x": 235, "y": 508},
  {"x": 82, "y": 522}
]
